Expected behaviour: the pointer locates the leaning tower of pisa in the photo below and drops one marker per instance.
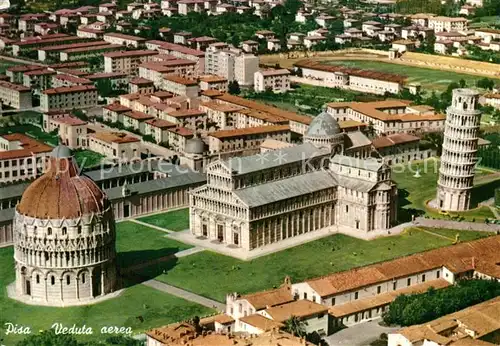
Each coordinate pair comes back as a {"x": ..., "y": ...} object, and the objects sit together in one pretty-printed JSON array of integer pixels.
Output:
[{"x": 459, "y": 156}]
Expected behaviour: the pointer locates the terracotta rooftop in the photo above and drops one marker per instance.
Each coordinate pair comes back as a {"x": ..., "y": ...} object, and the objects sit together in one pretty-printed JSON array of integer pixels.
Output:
[
  {"x": 138, "y": 115},
  {"x": 264, "y": 108},
  {"x": 70, "y": 120},
  {"x": 302, "y": 308},
  {"x": 186, "y": 113},
  {"x": 130, "y": 53},
  {"x": 104, "y": 47},
  {"x": 117, "y": 107},
  {"x": 160, "y": 123},
  {"x": 394, "y": 139},
  {"x": 12, "y": 86},
  {"x": 141, "y": 81},
  {"x": 221, "y": 107},
  {"x": 72, "y": 79},
  {"x": 383, "y": 299},
  {"x": 316, "y": 65},
  {"x": 70, "y": 89},
  {"x": 261, "y": 322},
  {"x": 213, "y": 79},
  {"x": 451, "y": 256},
  {"x": 61, "y": 193},
  {"x": 249, "y": 131},
  {"x": 29, "y": 146},
  {"x": 264, "y": 299},
  {"x": 114, "y": 137},
  {"x": 124, "y": 37},
  {"x": 180, "y": 80},
  {"x": 271, "y": 72},
  {"x": 181, "y": 131}
]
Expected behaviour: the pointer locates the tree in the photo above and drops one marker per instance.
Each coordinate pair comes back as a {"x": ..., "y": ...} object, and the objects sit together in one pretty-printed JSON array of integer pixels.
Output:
[
  {"x": 295, "y": 327},
  {"x": 104, "y": 87},
  {"x": 48, "y": 338},
  {"x": 462, "y": 83},
  {"x": 234, "y": 88},
  {"x": 485, "y": 83}
]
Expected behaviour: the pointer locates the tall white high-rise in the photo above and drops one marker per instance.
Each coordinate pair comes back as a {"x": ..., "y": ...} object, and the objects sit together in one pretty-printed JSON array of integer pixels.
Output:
[{"x": 459, "y": 157}]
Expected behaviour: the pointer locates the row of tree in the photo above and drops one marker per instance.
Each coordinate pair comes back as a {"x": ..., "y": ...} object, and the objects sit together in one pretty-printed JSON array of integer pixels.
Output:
[{"x": 407, "y": 310}]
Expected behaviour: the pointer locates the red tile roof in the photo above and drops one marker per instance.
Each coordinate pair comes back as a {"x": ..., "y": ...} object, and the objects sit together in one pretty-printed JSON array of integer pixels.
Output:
[{"x": 29, "y": 145}]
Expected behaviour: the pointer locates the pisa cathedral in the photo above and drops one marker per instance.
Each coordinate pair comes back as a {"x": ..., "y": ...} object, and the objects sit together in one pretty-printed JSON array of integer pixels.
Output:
[
  {"x": 249, "y": 202},
  {"x": 459, "y": 156},
  {"x": 64, "y": 238}
]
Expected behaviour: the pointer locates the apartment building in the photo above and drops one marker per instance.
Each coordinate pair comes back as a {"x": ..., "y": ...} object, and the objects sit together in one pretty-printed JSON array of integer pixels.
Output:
[
  {"x": 38, "y": 80},
  {"x": 180, "y": 52},
  {"x": 439, "y": 24},
  {"x": 178, "y": 85},
  {"x": 71, "y": 130},
  {"x": 213, "y": 82},
  {"x": 67, "y": 98},
  {"x": 89, "y": 33},
  {"x": 124, "y": 40},
  {"x": 21, "y": 157},
  {"x": 66, "y": 80},
  {"x": 115, "y": 145},
  {"x": 15, "y": 95},
  {"x": 127, "y": 61},
  {"x": 188, "y": 118},
  {"x": 155, "y": 71},
  {"x": 141, "y": 85},
  {"x": 257, "y": 114},
  {"x": 113, "y": 112},
  {"x": 275, "y": 80},
  {"x": 177, "y": 138},
  {"x": 135, "y": 120},
  {"x": 247, "y": 140},
  {"x": 232, "y": 64},
  {"x": 74, "y": 54},
  {"x": 492, "y": 99},
  {"x": 390, "y": 116},
  {"x": 21, "y": 47},
  {"x": 158, "y": 129}
]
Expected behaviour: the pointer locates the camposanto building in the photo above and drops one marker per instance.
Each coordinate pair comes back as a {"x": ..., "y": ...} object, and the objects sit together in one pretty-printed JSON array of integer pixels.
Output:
[
  {"x": 64, "y": 238},
  {"x": 253, "y": 201}
]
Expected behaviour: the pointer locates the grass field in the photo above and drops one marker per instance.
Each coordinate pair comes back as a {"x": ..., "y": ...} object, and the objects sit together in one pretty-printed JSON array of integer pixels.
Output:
[
  {"x": 177, "y": 220},
  {"x": 429, "y": 79},
  {"x": 415, "y": 192},
  {"x": 137, "y": 243},
  {"x": 87, "y": 158},
  {"x": 485, "y": 21},
  {"x": 134, "y": 243},
  {"x": 221, "y": 274}
]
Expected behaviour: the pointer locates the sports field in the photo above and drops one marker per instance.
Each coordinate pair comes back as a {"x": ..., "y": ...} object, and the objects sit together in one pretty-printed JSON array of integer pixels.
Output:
[{"x": 430, "y": 79}]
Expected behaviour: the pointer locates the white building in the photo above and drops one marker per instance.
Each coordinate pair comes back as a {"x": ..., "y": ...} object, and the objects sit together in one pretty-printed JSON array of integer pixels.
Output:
[
  {"x": 68, "y": 98},
  {"x": 275, "y": 80},
  {"x": 15, "y": 95},
  {"x": 125, "y": 40},
  {"x": 232, "y": 64},
  {"x": 439, "y": 24}
]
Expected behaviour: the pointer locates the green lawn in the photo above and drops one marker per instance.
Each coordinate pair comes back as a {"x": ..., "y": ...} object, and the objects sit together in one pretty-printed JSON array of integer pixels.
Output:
[
  {"x": 484, "y": 22},
  {"x": 222, "y": 274},
  {"x": 137, "y": 243},
  {"x": 429, "y": 79},
  {"x": 134, "y": 243},
  {"x": 415, "y": 192},
  {"x": 177, "y": 220},
  {"x": 87, "y": 158}
]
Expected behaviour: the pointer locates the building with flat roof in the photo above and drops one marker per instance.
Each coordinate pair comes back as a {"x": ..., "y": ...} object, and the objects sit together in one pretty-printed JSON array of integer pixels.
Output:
[
  {"x": 124, "y": 40},
  {"x": 67, "y": 98},
  {"x": 274, "y": 80},
  {"x": 127, "y": 61},
  {"x": 115, "y": 145},
  {"x": 21, "y": 157},
  {"x": 232, "y": 64}
]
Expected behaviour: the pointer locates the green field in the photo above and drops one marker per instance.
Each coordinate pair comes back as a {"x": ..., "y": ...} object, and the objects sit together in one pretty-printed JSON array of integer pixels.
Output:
[
  {"x": 415, "y": 192},
  {"x": 134, "y": 243},
  {"x": 87, "y": 158},
  {"x": 137, "y": 243},
  {"x": 177, "y": 220},
  {"x": 221, "y": 274},
  {"x": 485, "y": 22},
  {"x": 429, "y": 79}
]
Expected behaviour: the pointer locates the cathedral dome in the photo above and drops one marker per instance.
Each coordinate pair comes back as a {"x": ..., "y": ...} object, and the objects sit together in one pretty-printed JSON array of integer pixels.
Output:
[
  {"x": 195, "y": 146},
  {"x": 323, "y": 125},
  {"x": 61, "y": 193}
]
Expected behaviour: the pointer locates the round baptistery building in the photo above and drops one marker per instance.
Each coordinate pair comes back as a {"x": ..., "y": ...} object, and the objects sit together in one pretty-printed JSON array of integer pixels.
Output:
[{"x": 64, "y": 238}]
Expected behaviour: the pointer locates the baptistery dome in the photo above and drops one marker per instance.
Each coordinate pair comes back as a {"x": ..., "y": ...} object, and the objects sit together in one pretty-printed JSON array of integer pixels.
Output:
[
  {"x": 64, "y": 238},
  {"x": 325, "y": 132},
  {"x": 61, "y": 193}
]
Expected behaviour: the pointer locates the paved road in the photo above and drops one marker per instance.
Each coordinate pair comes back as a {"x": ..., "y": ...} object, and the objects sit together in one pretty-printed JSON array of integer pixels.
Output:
[
  {"x": 460, "y": 225},
  {"x": 359, "y": 335},
  {"x": 161, "y": 286},
  {"x": 151, "y": 226}
]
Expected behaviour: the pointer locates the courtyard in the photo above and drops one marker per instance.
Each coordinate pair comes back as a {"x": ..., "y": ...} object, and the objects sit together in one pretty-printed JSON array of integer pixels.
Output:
[{"x": 139, "y": 307}]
